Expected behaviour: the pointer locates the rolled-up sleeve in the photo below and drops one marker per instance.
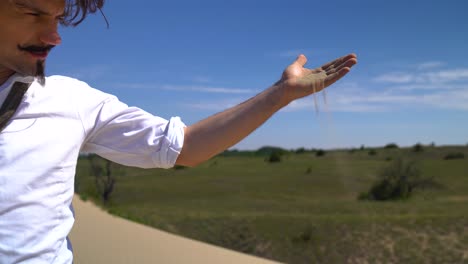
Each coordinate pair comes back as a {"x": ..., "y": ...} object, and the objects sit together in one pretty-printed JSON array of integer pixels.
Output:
[
  {"x": 132, "y": 136},
  {"x": 171, "y": 145}
]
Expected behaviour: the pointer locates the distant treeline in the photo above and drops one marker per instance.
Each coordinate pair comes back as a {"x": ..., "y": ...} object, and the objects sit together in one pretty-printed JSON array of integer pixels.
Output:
[{"x": 268, "y": 150}]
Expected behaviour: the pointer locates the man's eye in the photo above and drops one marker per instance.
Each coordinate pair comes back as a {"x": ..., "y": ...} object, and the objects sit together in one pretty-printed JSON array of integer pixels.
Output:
[{"x": 33, "y": 14}]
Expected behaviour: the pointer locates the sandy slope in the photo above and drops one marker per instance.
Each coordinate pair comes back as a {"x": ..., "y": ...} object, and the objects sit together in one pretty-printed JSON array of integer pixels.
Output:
[{"x": 98, "y": 237}]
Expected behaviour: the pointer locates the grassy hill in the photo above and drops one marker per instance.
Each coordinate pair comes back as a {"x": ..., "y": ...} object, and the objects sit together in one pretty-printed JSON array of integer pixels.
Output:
[{"x": 303, "y": 209}]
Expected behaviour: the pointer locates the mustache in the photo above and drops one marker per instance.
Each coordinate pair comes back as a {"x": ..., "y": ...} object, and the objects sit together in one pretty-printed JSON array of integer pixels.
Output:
[{"x": 33, "y": 48}]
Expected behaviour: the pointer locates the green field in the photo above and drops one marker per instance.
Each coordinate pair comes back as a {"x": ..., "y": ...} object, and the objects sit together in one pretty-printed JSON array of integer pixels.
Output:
[{"x": 303, "y": 209}]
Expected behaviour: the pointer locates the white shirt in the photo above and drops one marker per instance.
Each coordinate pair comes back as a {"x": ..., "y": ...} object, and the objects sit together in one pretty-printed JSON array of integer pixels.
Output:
[{"x": 38, "y": 155}]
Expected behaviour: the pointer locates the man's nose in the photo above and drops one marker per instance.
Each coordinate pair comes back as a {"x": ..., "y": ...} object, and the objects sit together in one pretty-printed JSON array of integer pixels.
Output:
[{"x": 51, "y": 36}]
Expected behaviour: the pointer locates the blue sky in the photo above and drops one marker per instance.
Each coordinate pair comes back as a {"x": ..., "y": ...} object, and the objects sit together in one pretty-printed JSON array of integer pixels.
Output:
[{"x": 195, "y": 58}]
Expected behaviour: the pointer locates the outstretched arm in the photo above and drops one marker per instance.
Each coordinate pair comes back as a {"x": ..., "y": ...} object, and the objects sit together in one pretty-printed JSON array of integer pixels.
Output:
[{"x": 216, "y": 133}]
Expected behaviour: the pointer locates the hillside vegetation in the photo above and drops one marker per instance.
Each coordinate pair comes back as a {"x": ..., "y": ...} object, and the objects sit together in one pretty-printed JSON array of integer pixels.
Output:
[{"x": 304, "y": 207}]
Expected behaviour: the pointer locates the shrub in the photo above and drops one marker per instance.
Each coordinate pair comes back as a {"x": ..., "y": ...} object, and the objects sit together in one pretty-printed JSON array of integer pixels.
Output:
[
  {"x": 83, "y": 197},
  {"x": 418, "y": 147},
  {"x": 275, "y": 156},
  {"x": 451, "y": 156},
  {"x": 240, "y": 236},
  {"x": 179, "y": 167},
  {"x": 305, "y": 236},
  {"x": 300, "y": 150},
  {"x": 320, "y": 153},
  {"x": 266, "y": 151},
  {"x": 398, "y": 181},
  {"x": 391, "y": 146},
  {"x": 372, "y": 152},
  {"x": 364, "y": 196}
]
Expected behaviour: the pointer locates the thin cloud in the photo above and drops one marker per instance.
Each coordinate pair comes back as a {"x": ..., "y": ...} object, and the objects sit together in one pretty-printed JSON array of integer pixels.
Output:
[
  {"x": 442, "y": 76},
  {"x": 385, "y": 100},
  {"x": 336, "y": 105},
  {"x": 212, "y": 105},
  {"x": 186, "y": 88},
  {"x": 202, "y": 79},
  {"x": 207, "y": 89},
  {"x": 439, "y": 86},
  {"x": 430, "y": 65},
  {"x": 135, "y": 85},
  {"x": 456, "y": 100},
  {"x": 378, "y": 98},
  {"x": 450, "y": 100},
  {"x": 92, "y": 72},
  {"x": 396, "y": 77},
  {"x": 364, "y": 102},
  {"x": 448, "y": 75},
  {"x": 293, "y": 53}
]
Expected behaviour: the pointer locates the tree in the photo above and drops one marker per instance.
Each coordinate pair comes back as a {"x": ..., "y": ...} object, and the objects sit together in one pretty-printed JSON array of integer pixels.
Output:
[
  {"x": 103, "y": 179},
  {"x": 418, "y": 147},
  {"x": 320, "y": 153},
  {"x": 391, "y": 146},
  {"x": 275, "y": 156}
]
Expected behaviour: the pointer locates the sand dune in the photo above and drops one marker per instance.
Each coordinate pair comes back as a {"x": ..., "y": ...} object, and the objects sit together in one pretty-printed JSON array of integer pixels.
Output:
[{"x": 99, "y": 237}]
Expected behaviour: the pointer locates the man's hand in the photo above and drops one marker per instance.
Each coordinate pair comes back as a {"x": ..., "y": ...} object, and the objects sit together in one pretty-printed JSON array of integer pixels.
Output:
[{"x": 298, "y": 81}]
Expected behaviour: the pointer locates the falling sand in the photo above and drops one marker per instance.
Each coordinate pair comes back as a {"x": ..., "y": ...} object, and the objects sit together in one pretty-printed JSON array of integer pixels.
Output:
[{"x": 317, "y": 86}]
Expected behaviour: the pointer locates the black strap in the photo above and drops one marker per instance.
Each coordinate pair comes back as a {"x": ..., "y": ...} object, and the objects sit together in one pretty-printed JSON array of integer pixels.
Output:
[{"x": 12, "y": 102}]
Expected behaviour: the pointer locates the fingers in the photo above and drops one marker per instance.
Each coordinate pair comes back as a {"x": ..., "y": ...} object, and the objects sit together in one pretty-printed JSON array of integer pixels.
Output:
[
  {"x": 336, "y": 76},
  {"x": 346, "y": 64},
  {"x": 301, "y": 60},
  {"x": 339, "y": 61}
]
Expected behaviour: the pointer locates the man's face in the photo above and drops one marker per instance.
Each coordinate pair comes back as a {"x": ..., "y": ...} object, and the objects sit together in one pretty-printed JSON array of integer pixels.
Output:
[{"x": 28, "y": 30}]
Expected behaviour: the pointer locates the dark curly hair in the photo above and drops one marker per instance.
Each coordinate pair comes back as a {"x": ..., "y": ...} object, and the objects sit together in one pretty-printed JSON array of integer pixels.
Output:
[{"x": 77, "y": 10}]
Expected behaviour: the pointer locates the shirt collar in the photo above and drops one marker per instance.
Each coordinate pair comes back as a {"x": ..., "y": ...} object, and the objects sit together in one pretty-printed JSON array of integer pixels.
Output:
[{"x": 17, "y": 77}]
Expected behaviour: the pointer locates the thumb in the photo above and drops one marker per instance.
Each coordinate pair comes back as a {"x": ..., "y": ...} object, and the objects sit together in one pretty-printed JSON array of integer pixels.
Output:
[{"x": 301, "y": 60}]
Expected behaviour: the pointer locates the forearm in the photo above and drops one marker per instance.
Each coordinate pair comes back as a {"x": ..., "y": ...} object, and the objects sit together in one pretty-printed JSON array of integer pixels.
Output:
[{"x": 216, "y": 133}]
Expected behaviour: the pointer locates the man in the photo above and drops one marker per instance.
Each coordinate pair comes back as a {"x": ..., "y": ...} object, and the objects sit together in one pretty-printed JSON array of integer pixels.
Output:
[{"x": 47, "y": 122}]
